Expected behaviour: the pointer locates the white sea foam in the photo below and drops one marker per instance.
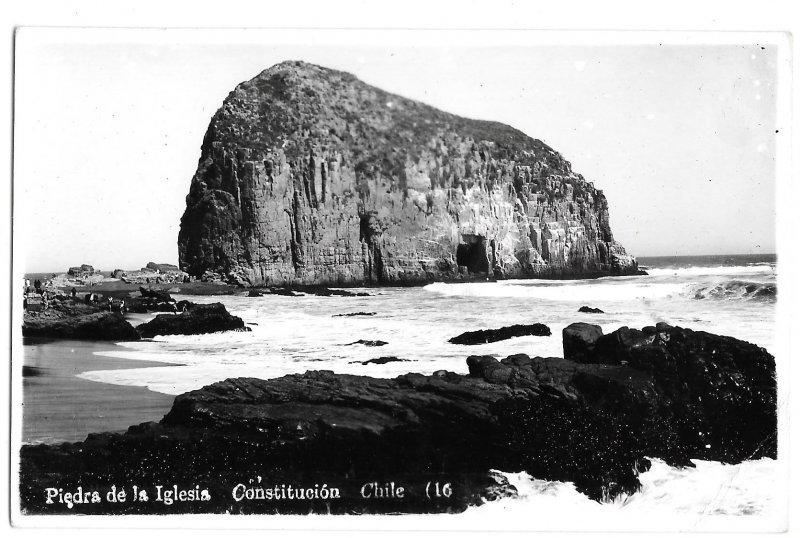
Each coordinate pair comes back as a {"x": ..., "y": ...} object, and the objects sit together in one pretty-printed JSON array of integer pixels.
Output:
[
  {"x": 709, "y": 497},
  {"x": 573, "y": 291},
  {"x": 766, "y": 269}
]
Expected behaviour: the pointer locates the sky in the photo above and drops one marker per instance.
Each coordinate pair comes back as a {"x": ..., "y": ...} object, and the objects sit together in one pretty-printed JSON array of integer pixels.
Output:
[{"x": 680, "y": 136}]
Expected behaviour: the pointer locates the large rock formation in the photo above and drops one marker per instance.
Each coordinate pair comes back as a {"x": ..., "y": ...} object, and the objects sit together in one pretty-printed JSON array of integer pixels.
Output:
[
  {"x": 673, "y": 394},
  {"x": 309, "y": 176}
]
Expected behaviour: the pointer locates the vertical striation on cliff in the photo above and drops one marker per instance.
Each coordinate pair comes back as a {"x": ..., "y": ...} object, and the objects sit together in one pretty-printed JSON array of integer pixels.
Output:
[{"x": 310, "y": 176}]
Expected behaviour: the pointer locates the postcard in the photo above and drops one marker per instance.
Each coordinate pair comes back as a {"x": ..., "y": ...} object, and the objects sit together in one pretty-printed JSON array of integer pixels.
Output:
[{"x": 512, "y": 280}]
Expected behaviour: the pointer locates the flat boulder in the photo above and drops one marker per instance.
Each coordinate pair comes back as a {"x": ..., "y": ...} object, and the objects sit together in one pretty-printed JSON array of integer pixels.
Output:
[
  {"x": 590, "y": 310},
  {"x": 199, "y": 319},
  {"x": 471, "y": 338}
]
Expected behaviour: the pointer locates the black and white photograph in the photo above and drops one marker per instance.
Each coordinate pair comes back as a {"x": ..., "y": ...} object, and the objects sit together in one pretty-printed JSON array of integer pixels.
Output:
[{"x": 516, "y": 280}]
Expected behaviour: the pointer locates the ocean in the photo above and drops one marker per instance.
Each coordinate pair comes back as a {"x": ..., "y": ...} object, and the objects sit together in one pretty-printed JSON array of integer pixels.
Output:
[{"x": 728, "y": 295}]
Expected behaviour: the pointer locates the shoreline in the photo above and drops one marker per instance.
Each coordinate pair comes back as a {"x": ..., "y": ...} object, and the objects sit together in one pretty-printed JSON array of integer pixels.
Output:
[{"x": 60, "y": 407}]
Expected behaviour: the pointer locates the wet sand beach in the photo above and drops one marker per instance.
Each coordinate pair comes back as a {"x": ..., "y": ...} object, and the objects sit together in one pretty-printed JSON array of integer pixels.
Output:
[{"x": 58, "y": 406}]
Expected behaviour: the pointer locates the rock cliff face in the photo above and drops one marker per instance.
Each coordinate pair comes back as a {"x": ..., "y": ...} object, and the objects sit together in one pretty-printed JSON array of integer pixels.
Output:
[{"x": 310, "y": 176}]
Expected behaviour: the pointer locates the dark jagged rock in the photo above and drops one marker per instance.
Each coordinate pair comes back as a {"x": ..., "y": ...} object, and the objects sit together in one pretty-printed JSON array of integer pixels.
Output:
[
  {"x": 78, "y": 325},
  {"x": 159, "y": 295},
  {"x": 715, "y": 396},
  {"x": 354, "y": 314},
  {"x": 200, "y": 319},
  {"x": 579, "y": 341},
  {"x": 162, "y": 267},
  {"x": 688, "y": 395},
  {"x": 368, "y": 343},
  {"x": 150, "y": 300},
  {"x": 285, "y": 292},
  {"x": 82, "y": 270},
  {"x": 255, "y": 293},
  {"x": 471, "y": 338},
  {"x": 328, "y": 292},
  {"x": 590, "y": 310},
  {"x": 383, "y": 360},
  {"x": 183, "y": 305},
  {"x": 309, "y": 176}
]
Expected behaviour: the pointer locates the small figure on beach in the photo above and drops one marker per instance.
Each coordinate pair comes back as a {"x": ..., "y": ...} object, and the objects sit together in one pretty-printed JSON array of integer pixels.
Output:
[
  {"x": 74, "y": 292},
  {"x": 122, "y": 306},
  {"x": 110, "y": 304}
]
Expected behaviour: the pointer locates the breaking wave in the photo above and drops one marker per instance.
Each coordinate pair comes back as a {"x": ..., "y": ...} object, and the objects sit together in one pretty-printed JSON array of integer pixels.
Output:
[
  {"x": 738, "y": 290},
  {"x": 710, "y": 496},
  {"x": 573, "y": 291},
  {"x": 752, "y": 269}
]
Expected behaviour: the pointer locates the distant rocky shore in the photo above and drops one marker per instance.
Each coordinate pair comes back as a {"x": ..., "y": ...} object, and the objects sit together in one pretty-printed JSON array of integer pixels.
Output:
[
  {"x": 591, "y": 418},
  {"x": 69, "y": 317}
]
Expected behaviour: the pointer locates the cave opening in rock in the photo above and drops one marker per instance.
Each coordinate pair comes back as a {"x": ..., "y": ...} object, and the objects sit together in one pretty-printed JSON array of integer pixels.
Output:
[{"x": 472, "y": 253}]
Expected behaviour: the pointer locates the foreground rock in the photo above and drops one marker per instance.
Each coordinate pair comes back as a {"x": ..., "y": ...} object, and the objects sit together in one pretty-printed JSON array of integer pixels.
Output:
[
  {"x": 196, "y": 319},
  {"x": 91, "y": 326},
  {"x": 487, "y": 336},
  {"x": 714, "y": 399},
  {"x": 310, "y": 176},
  {"x": 690, "y": 395}
]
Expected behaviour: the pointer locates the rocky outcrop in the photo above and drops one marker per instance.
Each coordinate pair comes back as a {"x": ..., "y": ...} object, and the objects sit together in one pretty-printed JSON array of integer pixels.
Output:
[
  {"x": 711, "y": 397},
  {"x": 471, "y": 338},
  {"x": 162, "y": 267},
  {"x": 150, "y": 300},
  {"x": 196, "y": 319},
  {"x": 590, "y": 310},
  {"x": 382, "y": 360},
  {"x": 368, "y": 343},
  {"x": 79, "y": 326},
  {"x": 82, "y": 270},
  {"x": 684, "y": 395},
  {"x": 310, "y": 176}
]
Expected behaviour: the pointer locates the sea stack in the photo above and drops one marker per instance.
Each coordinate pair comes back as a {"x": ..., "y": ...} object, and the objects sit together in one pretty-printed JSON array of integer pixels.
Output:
[{"x": 309, "y": 176}]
